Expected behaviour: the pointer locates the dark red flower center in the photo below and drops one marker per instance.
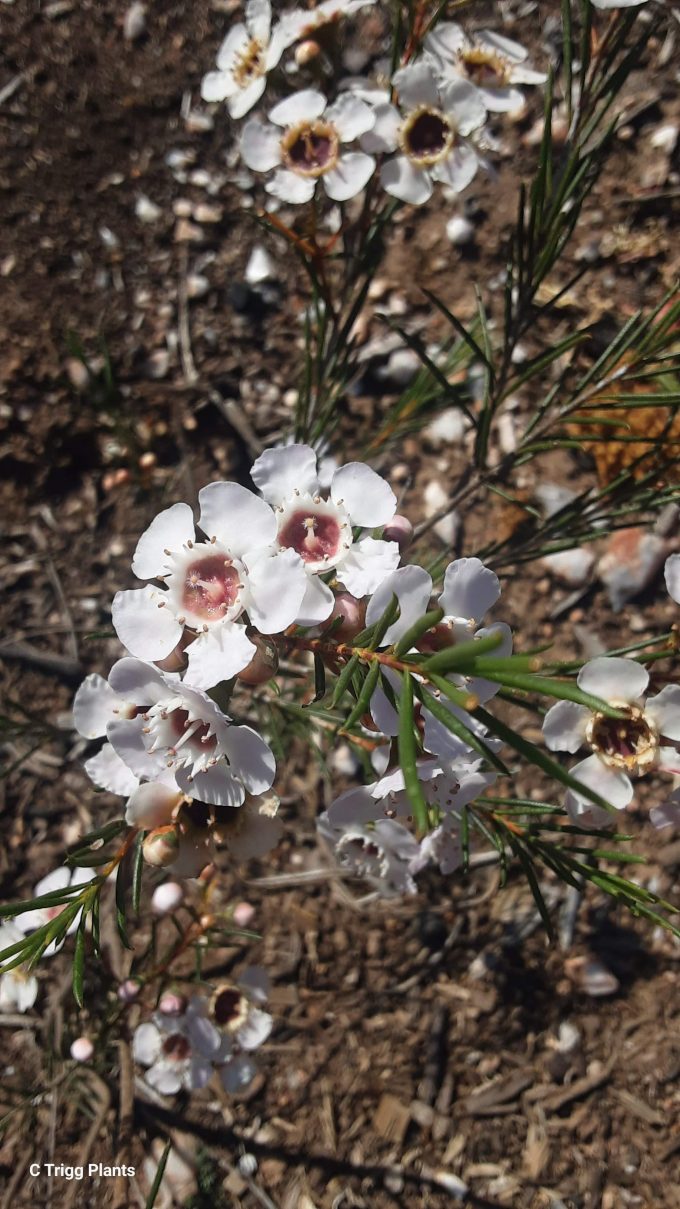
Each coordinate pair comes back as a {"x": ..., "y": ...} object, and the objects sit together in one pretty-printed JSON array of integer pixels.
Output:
[
  {"x": 211, "y": 587},
  {"x": 427, "y": 136},
  {"x": 310, "y": 148},
  {"x": 312, "y": 537},
  {"x": 176, "y": 1047},
  {"x": 194, "y": 731},
  {"x": 227, "y": 1006}
]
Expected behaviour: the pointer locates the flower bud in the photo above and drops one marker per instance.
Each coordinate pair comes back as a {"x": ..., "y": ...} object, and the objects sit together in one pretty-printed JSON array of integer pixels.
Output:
[
  {"x": 353, "y": 614},
  {"x": 306, "y": 52},
  {"x": 167, "y": 898},
  {"x": 161, "y": 846},
  {"x": 82, "y": 1049},
  {"x": 399, "y": 530},
  {"x": 128, "y": 990},
  {"x": 172, "y": 1003},
  {"x": 244, "y": 914},
  {"x": 264, "y": 663}
]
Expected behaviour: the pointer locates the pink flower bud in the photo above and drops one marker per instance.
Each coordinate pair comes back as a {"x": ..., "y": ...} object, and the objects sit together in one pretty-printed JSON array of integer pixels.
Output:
[
  {"x": 306, "y": 52},
  {"x": 171, "y": 1003},
  {"x": 399, "y": 530},
  {"x": 82, "y": 1049},
  {"x": 167, "y": 898},
  {"x": 244, "y": 914},
  {"x": 161, "y": 846},
  {"x": 353, "y": 614},
  {"x": 264, "y": 663},
  {"x": 128, "y": 990}
]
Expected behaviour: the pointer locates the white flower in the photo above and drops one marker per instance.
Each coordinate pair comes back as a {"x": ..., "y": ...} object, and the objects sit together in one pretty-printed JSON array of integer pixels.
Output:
[
  {"x": 621, "y": 747},
  {"x": 470, "y": 589},
  {"x": 234, "y": 1011},
  {"x": 178, "y": 1050},
  {"x": 320, "y": 530},
  {"x": 247, "y": 54},
  {"x": 668, "y": 813},
  {"x": 210, "y": 584},
  {"x": 489, "y": 61},
  {"x": 18, "y": 987},
  {"x": 58, "y": 879},
  {"x": 94, "y": 706},
  {"x": 303, "y": 142},
  {"x": 441, "y": 847},
  {"x": 379, "y": 852},
  {"x": 672, "y": 577},
  {"x": 447, "y": 788},
  {"x": 303, "y": 23},
  {"x": 430, "y": 131},
  {"x": 179, "y": 729}
]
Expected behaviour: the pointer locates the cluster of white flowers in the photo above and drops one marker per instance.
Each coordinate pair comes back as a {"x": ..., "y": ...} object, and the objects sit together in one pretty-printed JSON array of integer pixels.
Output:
[
  {"x": 188, "y": 1039},
  {"x": 422, "y": 125},
  {"x": 261, "y": 563}
]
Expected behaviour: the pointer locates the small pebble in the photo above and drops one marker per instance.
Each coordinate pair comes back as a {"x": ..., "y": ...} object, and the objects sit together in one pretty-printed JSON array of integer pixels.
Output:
[
  {"x": 146, "y": 210},
  {"x": 460, "y": 231},
  {"x": 134, "y": 22}
]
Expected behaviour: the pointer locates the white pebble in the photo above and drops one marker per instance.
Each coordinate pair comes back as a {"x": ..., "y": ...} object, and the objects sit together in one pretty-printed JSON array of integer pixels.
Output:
[
  {"x": 146, "y": 210},
  {"x": 260, "y": 266},
  {"x": 134, "y": 22},
  {"x": 459, "y": 231}
]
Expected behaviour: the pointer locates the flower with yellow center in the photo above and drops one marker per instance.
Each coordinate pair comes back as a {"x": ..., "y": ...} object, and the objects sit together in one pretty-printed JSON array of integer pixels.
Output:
[
  {"x": 495, "y": 65},
  {"x": 622, "y": 747}
]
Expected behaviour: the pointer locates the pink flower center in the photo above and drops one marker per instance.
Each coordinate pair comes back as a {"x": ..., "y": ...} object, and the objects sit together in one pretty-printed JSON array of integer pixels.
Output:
[
  {"x": 211, "y": 587},
  {"x": 176, "y": 1047},
  {"x": 310, "y": 148},
  {"x": 484, "y": 68},
  {"x": 196, "y": 732},
  {"x": 314, "y": 538},
  {"x": 629, "y": 743}
]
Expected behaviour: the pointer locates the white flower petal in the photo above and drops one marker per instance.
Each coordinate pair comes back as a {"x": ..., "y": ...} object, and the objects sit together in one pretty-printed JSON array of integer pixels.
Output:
[
  {"x": 259, "y": 19},
  {"x": 458, "y": 169},
  {"x": 137, "y": 681},
  {"x": 445, "y": 41},
  {"x": 289, "y": 187},
  {"x": 242, "y": 102},
  {"x": 282, "y": 37},
  {"x": 280, "y": 472},
  {"x": 613, "y": 679},
  {"x": 355, "y": 806},
  {"x": 668, "y": 759},
  {"x": 216, "y": 787},
  {"x": 233, "y": 46},
  {"x": 128, "y": 741},
  {"x": 527, "y": 75},
  {"x": 564, "y": 726},
  {"x": 166, "y": 1079},
  {"x": 317, "y": 602},
  {"x": 470, "y": 589},
  {"x": 384, "y": 135},
  {"x": 416, "y": 85},
  {"x": 664, "y": 710},
  {"x": 200, "y": 1072},
  {"x": 672, "y": 577},
  {"x": 277, "y": 589},
  {"x": 146, "y": 1044},
  {"x": 461, "y": 100},
  {"x": 501, "y": 45},
  {"x": 217, "y": 86},
  {"x": 502, "y": 100},
  {"x": 608, "y": 4},
  {"x": 250, "y": 758},
  {"x": 109, "y": 772},
  {"x": 151, "y": 805},
  {"x": 367, "y": 564},
  {"x": 412, "y": 586},
  {"x": 400, "y": 179},
  {"x": 260, "y": 146},
  {"x": 383, "y": 713},
  {"x": 237, "y": 1073},
  {"x": 350, "y": 116},
  {"x": 196, "y": 850},
  {"x": 26, "y": 992},
  {"x": 255, "y": 982},
  {"x": 255, "y": 1030},
  {"x": 167, "y": 531},
  {"x": 366, "y": 496},
  {"x": 257, "y": 835},
  {"x": 351, "y": 174},
  {"x": 58, "y": 879},
  {"x": 218, "y": 655},
  {"x": 667, "y": 814},
  {"x": 504, "y": 648},
  {"x": 302, "y": 106},
  {"x": 239, "y": 518},
  {"x": 610, "y": 783},
  {"x": 93, "y": 707},
  {"x": 144, "y": 623}
]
